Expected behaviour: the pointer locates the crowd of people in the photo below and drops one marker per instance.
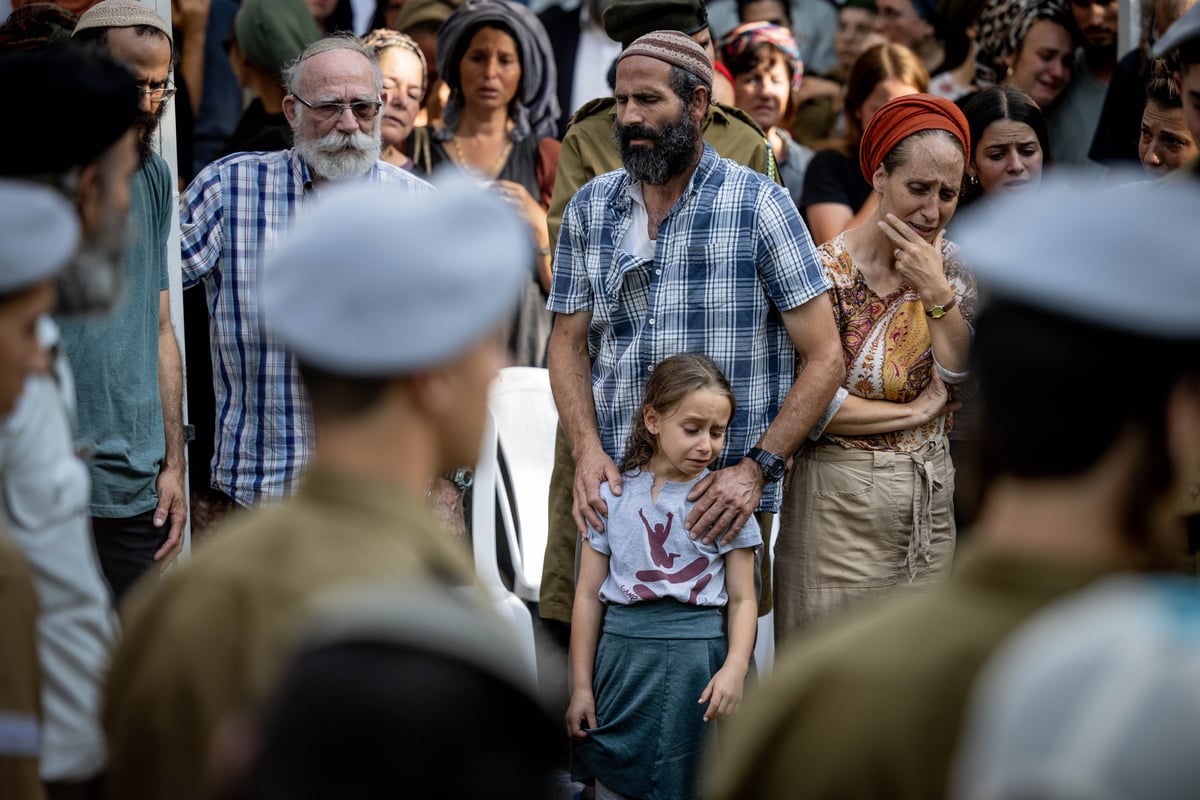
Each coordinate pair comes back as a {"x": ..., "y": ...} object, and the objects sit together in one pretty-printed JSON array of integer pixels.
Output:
[{"x": 817, "y": 286}]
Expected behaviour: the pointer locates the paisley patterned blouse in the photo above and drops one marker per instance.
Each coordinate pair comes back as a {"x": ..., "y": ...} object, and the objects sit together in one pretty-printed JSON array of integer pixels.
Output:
[{"x": 886, "y": 342}]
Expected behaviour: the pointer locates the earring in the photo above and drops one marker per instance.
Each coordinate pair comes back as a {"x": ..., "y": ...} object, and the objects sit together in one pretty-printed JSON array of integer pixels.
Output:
[
  {"x": 973, "y": 181},
  {"x": 1008, "y": 74}
]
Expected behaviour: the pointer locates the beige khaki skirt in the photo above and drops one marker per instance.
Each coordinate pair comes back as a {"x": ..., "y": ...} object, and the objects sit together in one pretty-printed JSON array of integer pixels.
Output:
[{"x": 856, "y": 524}]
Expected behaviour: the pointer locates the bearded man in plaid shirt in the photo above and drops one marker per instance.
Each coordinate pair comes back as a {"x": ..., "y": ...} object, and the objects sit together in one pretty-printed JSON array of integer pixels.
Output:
[
  {"x": 680, "y": 251},
  {"x": 233, "y": 213}
]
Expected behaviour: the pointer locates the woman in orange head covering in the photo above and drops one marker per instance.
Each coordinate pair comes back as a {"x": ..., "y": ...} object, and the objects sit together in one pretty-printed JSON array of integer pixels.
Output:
[{"x": 870, "y": 504}]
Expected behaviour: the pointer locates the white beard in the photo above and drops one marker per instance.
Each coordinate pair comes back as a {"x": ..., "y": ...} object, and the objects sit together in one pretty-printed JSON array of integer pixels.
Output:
[{"x": 337, "y": 155}]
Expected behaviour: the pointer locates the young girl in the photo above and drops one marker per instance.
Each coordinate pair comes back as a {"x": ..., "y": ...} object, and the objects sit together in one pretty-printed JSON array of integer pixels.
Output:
[{"x": 643, "y": 690}]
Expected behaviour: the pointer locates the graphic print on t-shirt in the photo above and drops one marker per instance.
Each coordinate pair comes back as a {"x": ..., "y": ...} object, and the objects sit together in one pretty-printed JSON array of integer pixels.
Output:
[{"x": 656, "y": 536}]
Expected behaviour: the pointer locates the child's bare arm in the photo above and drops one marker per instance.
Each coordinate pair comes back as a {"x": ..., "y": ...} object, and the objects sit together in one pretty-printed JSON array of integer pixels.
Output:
[
  {"x": 724, "y": 692},
  {"x": 586, "y": 617}
]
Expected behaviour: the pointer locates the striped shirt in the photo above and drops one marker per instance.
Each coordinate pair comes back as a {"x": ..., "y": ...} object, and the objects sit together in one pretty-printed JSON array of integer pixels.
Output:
[
  {"x": 729, "y": 256},
  {"x": 233, "y": 213}
]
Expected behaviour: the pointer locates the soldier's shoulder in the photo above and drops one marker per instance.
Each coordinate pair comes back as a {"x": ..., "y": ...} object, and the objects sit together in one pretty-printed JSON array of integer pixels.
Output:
[
  {"x": 598, "y": 109},
  {"x": 737, "y": 121}
]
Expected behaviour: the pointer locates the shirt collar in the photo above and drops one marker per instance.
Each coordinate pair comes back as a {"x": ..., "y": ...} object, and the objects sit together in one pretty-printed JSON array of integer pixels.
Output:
[
  {"x": 300, "y": 173},
  {"x": 708, "y": 162}
]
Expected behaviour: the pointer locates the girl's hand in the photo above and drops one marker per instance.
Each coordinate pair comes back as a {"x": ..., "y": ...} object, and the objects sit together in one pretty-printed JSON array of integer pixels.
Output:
[
  {"x": 919, "y": 262},
  {"x": 725, "y": 693},
  {"x": 581, "y": 713}
]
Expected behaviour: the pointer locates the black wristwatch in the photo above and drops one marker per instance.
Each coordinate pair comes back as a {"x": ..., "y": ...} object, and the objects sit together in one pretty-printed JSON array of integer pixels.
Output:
[{"x": 773, "y": 466}]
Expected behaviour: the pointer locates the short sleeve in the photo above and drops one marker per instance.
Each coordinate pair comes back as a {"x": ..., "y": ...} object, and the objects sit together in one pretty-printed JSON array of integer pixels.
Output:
[
  {"x": 749, "y": 536},
  {"x": 201, "y": 212},
  {"x": 598, "y": 540},
  {"x": 833, "y": 177},
  {"x": 570, "y": 291},
  {"x": 786, "y": 257},
  {"x": 162, "y": 214}
]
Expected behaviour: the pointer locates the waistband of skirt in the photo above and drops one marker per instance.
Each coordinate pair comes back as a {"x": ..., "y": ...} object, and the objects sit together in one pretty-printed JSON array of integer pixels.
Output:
[
  {"x": 665, "y": 619},
  {"x": 830, "y": 451}
]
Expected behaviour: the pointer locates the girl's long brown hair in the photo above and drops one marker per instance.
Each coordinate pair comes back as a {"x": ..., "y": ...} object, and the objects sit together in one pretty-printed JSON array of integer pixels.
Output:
[{"x": 672, "y": 380}]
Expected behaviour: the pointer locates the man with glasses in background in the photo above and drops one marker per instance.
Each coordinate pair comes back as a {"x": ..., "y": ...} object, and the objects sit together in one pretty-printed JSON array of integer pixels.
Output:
[
  {"x": 231, "y": 216},
  {"x": 128, "y": 374}
]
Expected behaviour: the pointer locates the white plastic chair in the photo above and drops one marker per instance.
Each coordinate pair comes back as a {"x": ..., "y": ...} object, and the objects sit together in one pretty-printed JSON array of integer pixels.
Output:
[
  {"x": 483, "y": 544},
  {"x": 525, "y": 417},
  {"x": 511, "y": 482}
]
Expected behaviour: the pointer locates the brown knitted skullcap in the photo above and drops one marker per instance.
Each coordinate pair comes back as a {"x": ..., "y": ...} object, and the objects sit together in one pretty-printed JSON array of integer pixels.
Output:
[{"x": 676, "y": 49}]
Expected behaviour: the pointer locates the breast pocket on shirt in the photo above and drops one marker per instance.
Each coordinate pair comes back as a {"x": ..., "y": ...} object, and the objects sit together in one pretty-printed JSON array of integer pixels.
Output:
[{"x": 711, "y": 274}]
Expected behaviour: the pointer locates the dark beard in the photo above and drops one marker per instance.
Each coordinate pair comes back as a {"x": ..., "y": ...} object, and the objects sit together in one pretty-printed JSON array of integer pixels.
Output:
[
  {"x": 146, "y": 124},
  {"x": 672, "y": 153}
]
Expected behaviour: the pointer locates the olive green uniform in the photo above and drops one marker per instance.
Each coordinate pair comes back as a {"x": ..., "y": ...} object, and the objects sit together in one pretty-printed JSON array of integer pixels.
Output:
[
  {"x": 588, "y": 150},
  {"x": 205, "y": 642},
  {"x": 870, "y": 706}
]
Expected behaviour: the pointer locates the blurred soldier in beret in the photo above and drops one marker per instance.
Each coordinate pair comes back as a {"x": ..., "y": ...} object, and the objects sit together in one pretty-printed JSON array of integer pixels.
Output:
[
  {"x": 39, "y": 234},
  {"x": 396, "y": 347},
  {"x": 44, "y": 487}
]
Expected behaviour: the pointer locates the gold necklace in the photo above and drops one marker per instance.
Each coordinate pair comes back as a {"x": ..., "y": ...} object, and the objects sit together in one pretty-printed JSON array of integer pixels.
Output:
[{"x": 492, "y": 171}]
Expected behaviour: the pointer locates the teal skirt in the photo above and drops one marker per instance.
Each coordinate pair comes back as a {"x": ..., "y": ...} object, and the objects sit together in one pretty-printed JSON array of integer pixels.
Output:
[{"x": 652, "y": 663}]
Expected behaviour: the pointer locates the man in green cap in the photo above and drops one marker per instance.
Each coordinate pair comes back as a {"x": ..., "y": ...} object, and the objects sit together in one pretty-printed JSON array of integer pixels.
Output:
[
  {"x": 588, "y": 150},
  {"x": 267, "y": 36}
]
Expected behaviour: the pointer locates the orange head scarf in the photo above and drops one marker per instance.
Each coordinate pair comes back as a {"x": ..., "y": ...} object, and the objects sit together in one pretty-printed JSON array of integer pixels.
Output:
[{"x": 900, "y": 118}]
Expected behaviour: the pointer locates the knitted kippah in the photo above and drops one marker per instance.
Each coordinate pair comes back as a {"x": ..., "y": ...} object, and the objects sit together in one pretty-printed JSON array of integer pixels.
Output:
[
  {"x": 676, "y": 49},
  {"x": 122, "y": 14}
]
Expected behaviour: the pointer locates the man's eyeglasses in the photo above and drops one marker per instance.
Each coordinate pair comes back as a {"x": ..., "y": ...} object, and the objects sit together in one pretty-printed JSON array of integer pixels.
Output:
[
  {"x": 157, "y": 91},
  {"x": 364, "y": 110}
]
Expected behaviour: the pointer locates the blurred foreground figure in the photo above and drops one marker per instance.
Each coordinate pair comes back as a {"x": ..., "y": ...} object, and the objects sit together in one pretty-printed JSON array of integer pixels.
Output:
[
  {"x": 39, "y": 233},
  {"x": 392, "y": 406},
  {"x": 44, "y": 486},
  {"x": 438, "y": 702},
  {"x": 1098, "y": 697},
  {"x": 1075, "y": 487}
]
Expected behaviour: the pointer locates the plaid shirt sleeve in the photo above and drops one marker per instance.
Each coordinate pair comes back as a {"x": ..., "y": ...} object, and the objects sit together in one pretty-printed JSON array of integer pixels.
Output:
[
  {"x": 786, "y": 256},
  {"x": 571, "y": 289},
  {"x": 201, "y": 231}
]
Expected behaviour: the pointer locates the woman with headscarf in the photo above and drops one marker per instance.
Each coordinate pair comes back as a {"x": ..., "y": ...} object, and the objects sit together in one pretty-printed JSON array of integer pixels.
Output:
[
  {"x": 1028, "y": 44},
  {"x": 498, "y": 127},
  {"x": 402, "y": 66},
  {"x": 766, "y": 67},
  {"x": 870, "y": 502}
]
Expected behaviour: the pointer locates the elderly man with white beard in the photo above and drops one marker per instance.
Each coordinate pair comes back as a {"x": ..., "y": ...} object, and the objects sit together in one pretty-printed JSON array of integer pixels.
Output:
[{"x": 232, "y": 214}]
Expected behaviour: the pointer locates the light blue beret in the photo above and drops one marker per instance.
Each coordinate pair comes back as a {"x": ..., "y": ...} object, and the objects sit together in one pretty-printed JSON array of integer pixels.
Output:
[
  {"x": 39, "y": 232},
  {"x": 376, "y": 280},
  {"x": 1124, "y": 259},
  {"x": 1182, "y": 31}
]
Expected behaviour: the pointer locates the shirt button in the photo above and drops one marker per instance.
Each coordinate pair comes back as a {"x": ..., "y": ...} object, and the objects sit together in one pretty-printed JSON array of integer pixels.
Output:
[
  {"x": 658, "y": 272},
  {"x": 652, "y": 321}
]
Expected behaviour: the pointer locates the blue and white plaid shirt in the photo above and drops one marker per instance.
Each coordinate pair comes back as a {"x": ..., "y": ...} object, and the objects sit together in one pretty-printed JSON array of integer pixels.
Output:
[
  {"x": 233, "y": 213},
  {"x": 730, "y": 255}
]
